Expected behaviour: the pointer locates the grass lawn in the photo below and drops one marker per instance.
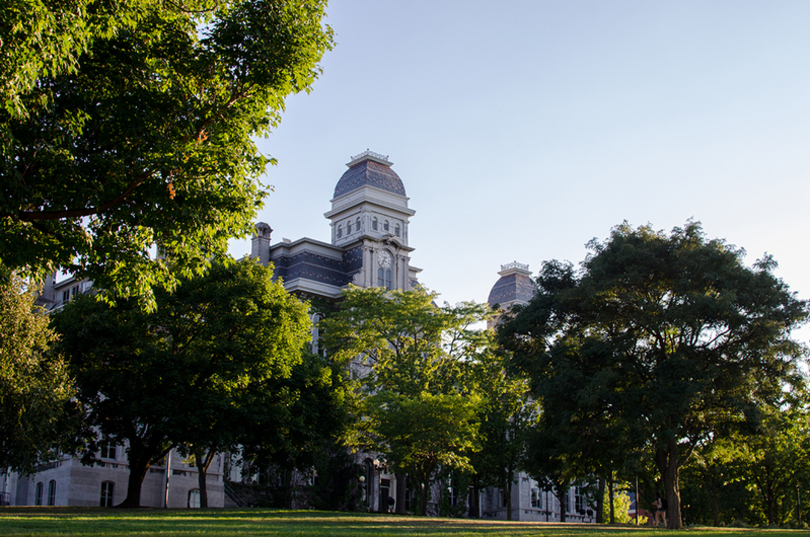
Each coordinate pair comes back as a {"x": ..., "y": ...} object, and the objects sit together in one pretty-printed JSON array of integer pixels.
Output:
[{"x": 74, "y": 522}]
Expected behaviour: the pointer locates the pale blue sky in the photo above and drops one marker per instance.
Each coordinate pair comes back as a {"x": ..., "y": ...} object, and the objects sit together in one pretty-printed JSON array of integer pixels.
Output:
[{"x": 524, "y": 129}]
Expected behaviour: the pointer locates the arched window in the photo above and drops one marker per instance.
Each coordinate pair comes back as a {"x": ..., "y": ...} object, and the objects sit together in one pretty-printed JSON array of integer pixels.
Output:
[
  {"x": 52, "y": 492},
  {"x": 396, "y": 230},
  {"x": 385, "y": 226},
  {"x": 107, "y": 491},
  {"x": 194, "y": 499},
  {"x": 388, "y": 283},
  {"x": 38, "y": 495},
  {"x": 357, "y": 224},
  {"x": 340, "y": 232},
  {"x": 348, "y": 228},
  {"x": 374, "y": 224}
]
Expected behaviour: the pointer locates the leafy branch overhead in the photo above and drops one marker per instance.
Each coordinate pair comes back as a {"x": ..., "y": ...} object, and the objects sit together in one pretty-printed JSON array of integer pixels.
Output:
[{"x": 130, "y": 126}]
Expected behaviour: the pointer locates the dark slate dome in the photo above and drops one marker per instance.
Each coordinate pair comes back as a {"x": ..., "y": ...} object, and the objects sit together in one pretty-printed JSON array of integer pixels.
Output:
[
  {"x": 370, "y": 169},
  {"x": 513, "y": 286}
]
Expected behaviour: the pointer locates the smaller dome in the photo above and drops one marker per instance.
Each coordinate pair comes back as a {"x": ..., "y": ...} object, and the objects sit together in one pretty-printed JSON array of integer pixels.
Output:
[
  {"x": 515, "y": 286},
  {"x": 369, "y": 169}
]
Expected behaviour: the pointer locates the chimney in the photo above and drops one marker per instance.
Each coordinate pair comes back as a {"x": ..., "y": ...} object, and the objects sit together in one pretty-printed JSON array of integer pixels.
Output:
[{"x": 260, "y": 248}]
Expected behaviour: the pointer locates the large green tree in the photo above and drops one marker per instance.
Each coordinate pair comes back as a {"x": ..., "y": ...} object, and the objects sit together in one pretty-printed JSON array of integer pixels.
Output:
[
  {"x": 35, "y": 389},
  {"x": 409, "y": 355},
  {"x": 182, "y": 373},
  {"x": 130, "y": 126},
  {"x": 672, "y": 334},
  {"x": 507, "y": 415}
]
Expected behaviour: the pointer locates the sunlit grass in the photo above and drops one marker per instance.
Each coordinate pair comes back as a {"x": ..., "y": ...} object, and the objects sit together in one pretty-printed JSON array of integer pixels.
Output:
[{"x": 74, "y": 522}]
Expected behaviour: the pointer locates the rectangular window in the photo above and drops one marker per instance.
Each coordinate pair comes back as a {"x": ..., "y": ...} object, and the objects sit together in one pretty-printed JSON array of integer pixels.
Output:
[
  {"x": 66, "y": 296},
  {"x": 108, "y": 450},
  {"x": 579, "y": 500}
]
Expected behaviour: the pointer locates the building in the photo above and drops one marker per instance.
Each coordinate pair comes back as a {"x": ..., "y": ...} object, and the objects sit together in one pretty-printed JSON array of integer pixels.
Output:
[{"x": 369, "y": 247}]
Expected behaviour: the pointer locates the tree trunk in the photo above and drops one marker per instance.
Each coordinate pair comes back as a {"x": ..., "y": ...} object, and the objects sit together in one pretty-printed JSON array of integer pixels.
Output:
[
  {"x": 203, "y": 460},
  {"x": 401, "y": 486},
  {"x": 667, "y": 460},
  {"x": 137, "y": 472},
  {"x": 139, "y": 459},
  {"x": 424, "y": 488},
  {"x": 770, "y": 502},
  {"x": 475, "y": 509},
  {"x": 612, "y": 504},
  {"x": 507, "y": 491},
  {"x": 715, "y": 503},
  {"x": 600, "y": 501},
  {"x": 562, "y": 495}
]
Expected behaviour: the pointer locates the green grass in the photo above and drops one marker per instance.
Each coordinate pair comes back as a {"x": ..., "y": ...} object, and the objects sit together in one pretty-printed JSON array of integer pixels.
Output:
[{"x": 75, "y": 522}]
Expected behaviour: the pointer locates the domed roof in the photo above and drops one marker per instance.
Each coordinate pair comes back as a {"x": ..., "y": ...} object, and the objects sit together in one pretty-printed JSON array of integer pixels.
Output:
[
  {"x": 369, "y": 169},
  {"x": 514, "y": 286}
]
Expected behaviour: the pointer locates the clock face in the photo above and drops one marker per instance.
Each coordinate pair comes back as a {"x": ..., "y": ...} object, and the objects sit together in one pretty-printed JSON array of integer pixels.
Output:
[{"x": 384, "y": 259}]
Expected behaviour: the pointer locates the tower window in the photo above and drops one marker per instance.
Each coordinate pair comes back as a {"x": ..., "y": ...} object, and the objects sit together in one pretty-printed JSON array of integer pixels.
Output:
[
  {"x": 385, "y": 226},
  {"x": 388, "y": 279},
  {"x": 340, "y": 232},
  {"x": 348, "y": 228},
  {"x": 396, "y": 230},
  {"x": 357, "y": 225},
  {"x": 374, "y": 224}
]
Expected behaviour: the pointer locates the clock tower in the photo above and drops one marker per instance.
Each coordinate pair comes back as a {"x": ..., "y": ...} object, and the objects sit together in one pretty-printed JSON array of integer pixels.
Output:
[{"x": 370, "y": 211}]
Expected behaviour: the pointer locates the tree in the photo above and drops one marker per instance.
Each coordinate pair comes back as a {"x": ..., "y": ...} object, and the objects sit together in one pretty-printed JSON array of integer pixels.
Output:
[
  {"x": 673, "y": 335},
  {"x": 506, "y": 416},
  {"x": 35, "y": 389},
  {"x": 775, "y": 459},
  {"x": 182, "y": 373},
  {"x": 130, "y": 126},
  {"x": 409, "y": 354}
]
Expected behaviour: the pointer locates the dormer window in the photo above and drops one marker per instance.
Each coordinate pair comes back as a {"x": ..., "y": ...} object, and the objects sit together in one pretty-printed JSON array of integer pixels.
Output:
[{"x": 374, "y": 224}]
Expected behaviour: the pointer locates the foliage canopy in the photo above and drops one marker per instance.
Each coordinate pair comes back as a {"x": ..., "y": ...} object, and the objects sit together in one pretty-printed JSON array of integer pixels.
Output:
[
  {"x": 671, "y": 337},
  {"x": 35, "y": 389},
  {"x": 130, "y": 125},
  {"x": 191, "y": 370}
]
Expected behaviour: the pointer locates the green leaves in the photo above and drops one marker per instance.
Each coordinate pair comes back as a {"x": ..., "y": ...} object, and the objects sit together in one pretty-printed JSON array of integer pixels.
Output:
[
  {"x": 140, "y": 133},
  {"x": 658, "y": 341},
  {"x": 35, "y": 389},
  {"x": 417, "y": 403},
  {"x": 206, "y": 366}
]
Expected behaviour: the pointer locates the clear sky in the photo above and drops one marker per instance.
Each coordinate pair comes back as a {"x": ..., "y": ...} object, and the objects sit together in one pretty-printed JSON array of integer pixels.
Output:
[{"x": 523, "y": 129}]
